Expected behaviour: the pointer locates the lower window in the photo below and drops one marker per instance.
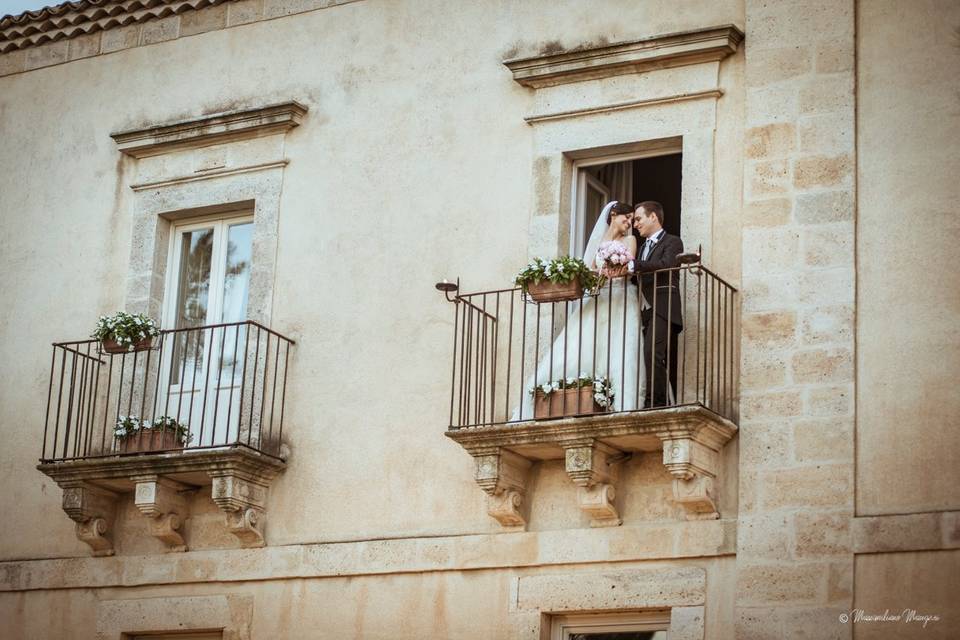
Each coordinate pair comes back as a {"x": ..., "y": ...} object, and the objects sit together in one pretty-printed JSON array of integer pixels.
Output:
[{"x": 628, "y": 626}]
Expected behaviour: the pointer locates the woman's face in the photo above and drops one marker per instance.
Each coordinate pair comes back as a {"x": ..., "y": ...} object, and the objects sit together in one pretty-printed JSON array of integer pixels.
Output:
[{"x": 622, "y": 222}]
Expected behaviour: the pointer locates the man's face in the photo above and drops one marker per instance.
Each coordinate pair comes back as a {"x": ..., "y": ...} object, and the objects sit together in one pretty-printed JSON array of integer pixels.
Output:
[{"x": 645, "y": 223}]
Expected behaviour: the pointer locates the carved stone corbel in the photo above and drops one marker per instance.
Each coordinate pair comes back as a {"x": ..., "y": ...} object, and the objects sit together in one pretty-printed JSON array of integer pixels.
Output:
[
  {"x": 93, "y": 509},
  {"x": 697, "y": 497},
  {"x": 592, "y": 466},
  {"x": 162, "y": 500},
  {"x": 502, "y": 475},
  {"x": 693, "y": 466},
  {"x": 243, "y": 499}
]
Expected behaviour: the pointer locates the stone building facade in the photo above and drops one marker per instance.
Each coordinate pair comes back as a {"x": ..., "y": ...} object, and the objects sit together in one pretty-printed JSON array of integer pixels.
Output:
[{"x": 368, "y": 149}]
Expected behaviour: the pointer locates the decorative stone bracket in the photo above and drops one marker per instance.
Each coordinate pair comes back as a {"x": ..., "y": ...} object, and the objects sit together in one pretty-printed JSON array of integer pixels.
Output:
[
  {"x": 503, "y": 476},
  {"x": 93, "y": 509},
  {"x": 163, "y": 502},
  {"x": 243, "y": 498},
  {"x": 161, "y": 483},
  {"x": 592, "y": 466},
  {"x": 690, "y": 439},
  {"x": 693, "y": 466}
]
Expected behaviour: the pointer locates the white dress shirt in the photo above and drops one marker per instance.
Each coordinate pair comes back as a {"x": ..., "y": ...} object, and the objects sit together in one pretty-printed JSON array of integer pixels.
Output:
[{"x": 650, "y": 243}]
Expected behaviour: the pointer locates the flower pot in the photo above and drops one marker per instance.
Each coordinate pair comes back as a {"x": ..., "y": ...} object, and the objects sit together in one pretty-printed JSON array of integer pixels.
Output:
[
  {"x": 546, "y": 291},
  {"x": 615, "y": 271},
  {"x": 150, "y": 440},
  {"x": 564, "y": 403},
  {"x": 109, "y": 345}
]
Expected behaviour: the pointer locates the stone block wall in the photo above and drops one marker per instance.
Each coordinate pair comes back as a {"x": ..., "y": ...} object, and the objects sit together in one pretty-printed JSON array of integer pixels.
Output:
[{"x": 794, "y": 555}]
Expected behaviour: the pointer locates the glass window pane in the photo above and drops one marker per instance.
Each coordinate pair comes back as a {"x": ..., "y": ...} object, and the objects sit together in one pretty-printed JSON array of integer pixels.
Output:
[
  {"x": 236, "y": 280},
  {"x": 193, "y": 292},
  {"x": 236, "y": 286}
]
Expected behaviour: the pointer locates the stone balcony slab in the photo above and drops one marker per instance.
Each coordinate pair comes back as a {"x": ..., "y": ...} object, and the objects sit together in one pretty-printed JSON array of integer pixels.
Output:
[
  {"x": 690, "y": 438},
  {"x": 239, "y": 478}
]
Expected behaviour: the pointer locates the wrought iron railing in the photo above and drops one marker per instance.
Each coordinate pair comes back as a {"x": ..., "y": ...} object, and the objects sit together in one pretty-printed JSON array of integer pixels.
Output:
[
  {"x": 224, "y": 383},
  {"x": 505, "y": 345}
]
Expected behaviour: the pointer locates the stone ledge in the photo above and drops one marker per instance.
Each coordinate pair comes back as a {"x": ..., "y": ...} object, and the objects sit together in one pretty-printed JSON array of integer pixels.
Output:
[
  {"x": 212, "y": 129},
  {"x": 614, "y": 589},
  {"x": 390, "y": 556},
  {"x": 911, "y": 532},
  {"x": 690, "y": 437},
  {"x": 658, "y": 52},
  {"x": 240, "y": 480}
]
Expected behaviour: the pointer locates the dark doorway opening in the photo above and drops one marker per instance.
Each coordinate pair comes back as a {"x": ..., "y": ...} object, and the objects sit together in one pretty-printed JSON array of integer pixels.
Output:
[{"x": 656, "y": 178}]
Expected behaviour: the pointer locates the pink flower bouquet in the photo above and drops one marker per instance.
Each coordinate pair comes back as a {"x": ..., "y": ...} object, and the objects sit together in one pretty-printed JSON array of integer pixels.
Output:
[{"x": 614, "y": 259}]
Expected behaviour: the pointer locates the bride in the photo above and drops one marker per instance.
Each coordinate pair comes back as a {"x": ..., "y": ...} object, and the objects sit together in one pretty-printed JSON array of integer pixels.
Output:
[{"x": 601, "y": 336}]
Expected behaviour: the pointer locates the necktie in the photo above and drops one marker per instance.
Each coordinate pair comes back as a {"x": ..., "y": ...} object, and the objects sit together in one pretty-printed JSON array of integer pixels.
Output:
[{"x": 647, "y": 248}]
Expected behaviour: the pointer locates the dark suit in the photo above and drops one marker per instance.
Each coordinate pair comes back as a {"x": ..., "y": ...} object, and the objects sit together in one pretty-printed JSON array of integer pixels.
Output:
[{"x": 663, "y": 321}]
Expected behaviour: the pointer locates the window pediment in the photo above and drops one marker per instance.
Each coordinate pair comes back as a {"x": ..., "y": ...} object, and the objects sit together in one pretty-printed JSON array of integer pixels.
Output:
[
  {"x": 657, "y": 52},
  {"x": 208, "y": 130}
]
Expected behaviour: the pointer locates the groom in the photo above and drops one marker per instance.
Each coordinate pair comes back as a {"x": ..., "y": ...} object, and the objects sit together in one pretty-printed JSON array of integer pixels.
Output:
[{"x": 661, "y": 314}]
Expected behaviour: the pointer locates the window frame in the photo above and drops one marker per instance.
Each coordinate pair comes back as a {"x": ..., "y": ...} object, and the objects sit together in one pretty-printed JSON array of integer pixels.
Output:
[
  {"x": 221, "y": 224},
  {"x": 577, "y": 234},
  {"x": 562, "y": 626}
]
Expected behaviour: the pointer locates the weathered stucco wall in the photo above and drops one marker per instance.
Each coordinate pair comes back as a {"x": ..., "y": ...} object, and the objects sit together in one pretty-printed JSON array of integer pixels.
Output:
[
  {"x": 412, "y": 162},
  {"x": 908, "y": 355}
]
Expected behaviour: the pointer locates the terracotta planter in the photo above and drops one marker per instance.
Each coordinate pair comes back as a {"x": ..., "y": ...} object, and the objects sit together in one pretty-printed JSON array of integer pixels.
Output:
[
  {"x": 150, "y": 440},
  {"x": 546, "y": 291},
  {"x": 111, "y": 346},
  {"x": 564, "y": 403}
]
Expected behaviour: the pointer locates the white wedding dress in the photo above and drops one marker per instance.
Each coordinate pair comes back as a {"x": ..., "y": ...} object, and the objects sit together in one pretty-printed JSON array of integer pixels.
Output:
[{"x": 610, "y": 319}]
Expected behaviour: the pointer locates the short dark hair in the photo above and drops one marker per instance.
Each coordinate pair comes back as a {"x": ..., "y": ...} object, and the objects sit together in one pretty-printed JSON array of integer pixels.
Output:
[
  {"x": 654, "y": 207},
  {"x": 619, "y": 209}
]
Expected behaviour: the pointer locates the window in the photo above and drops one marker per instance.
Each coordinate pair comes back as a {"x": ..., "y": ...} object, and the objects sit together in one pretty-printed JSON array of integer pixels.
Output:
[
  {"x": 208, "y": 284},
  {"x": 653, "y": 175},
  {"x": 632, "y": 626},
  {"x": 189, "y": 635}
]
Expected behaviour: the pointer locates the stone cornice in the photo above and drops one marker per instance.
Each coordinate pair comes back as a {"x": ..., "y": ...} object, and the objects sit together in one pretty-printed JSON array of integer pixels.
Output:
[
  {"x": 212, "y": 129},
  {"x": 658, "y": 52}
]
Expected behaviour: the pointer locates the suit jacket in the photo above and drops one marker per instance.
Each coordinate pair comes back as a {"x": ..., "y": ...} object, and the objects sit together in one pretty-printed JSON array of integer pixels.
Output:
[{"x": 667, "y": 295}]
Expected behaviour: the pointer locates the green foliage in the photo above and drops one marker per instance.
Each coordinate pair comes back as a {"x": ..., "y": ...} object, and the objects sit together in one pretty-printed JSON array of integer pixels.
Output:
[
  {"x": 602, "y": 389},
  {"x": 125, "y": 329},
  {"x": 559, "y": 271},
  {"x": 129, "y": 425}
]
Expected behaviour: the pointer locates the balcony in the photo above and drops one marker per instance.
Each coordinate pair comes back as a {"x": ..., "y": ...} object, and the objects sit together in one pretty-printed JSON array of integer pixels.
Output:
[
  {"x": 506, "y": 345},
  {"x": 224, "y": 385}
]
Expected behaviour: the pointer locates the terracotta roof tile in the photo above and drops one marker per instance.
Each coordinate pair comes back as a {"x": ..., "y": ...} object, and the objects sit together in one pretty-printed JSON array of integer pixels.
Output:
[{"x": 72, "y": 19}]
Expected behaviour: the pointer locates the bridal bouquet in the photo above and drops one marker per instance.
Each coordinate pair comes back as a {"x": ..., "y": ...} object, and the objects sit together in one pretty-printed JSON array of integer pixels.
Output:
[{"x": 614, "y": 259}]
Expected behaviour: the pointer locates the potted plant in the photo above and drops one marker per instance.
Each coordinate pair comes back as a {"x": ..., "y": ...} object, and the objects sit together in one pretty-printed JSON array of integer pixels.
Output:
[
  {"x": 556, "y": 280},
  {"x": 614, "y": 259},
  {"x": 572, "y": 396},
  {"x": 123, "y": 332},
  {"x": 163, "y": 434}
]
